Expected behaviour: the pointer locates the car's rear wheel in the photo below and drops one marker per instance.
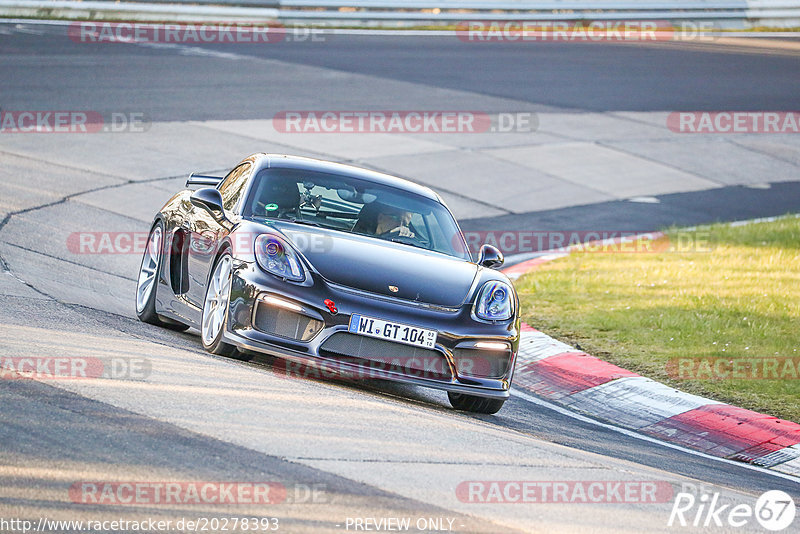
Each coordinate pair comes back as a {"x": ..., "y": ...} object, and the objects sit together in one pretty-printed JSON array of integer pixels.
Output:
[
  {"x": 215, "y": 310},
  {"x": 475, "y": 404},
  {"x": 149, "y": 273}
]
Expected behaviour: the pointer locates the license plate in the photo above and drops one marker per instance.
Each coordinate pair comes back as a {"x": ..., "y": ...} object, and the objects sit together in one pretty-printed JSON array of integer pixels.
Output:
[{"x": 391, "y": 331}]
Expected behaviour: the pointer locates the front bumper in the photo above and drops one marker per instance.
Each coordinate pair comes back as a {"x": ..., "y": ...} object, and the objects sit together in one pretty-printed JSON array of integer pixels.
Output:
[{"x": 443, "y": 367}]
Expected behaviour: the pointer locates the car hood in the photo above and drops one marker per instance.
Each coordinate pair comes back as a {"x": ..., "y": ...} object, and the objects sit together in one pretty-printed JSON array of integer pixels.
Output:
[{"x": 374, "y": 265}]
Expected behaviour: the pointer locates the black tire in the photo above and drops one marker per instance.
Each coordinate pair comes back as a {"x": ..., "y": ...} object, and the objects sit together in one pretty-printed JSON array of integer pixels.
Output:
[
  {"x": 147, "y": 314},
  {"x": 474, "y": 404},
  {"x": 217, "y": 345}
]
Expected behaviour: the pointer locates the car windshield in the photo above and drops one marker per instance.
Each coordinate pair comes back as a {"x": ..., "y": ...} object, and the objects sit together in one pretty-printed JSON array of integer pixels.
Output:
[{"x": 349, "y": 204}]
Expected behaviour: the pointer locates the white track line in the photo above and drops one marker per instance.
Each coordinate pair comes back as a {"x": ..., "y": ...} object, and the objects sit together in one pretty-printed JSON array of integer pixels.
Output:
[{"x": 630, "y": 433}]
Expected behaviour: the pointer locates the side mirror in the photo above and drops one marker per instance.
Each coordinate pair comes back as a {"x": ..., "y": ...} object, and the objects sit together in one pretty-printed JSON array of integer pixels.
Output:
[
  {"x": 490, "y": 257},
  {"x": 209, "y": 199}
]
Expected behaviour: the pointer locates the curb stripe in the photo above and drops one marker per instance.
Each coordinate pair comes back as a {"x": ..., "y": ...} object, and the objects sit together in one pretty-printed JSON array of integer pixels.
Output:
[
  {"x": 635, "y": 402},
  {"x": 729, "y": 431},
  {"x": 535, "y": 346},
  {"x": 568, "y": 373},
  {"x": 555, "y": 371},
  {"x": 787, "y": 460},
  {"x": 572, "y": 414}
]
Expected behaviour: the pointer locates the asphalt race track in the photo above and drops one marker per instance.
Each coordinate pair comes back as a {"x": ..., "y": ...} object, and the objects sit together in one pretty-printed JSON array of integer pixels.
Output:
[{"x": 345, "y": 450}]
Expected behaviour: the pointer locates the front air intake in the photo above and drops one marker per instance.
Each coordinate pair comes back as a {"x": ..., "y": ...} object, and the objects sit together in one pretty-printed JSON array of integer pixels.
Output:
[
  {"x": 482, "y": 363},
  {"x": 381, "y": 355},
  {"x": 281, "y": 322}
]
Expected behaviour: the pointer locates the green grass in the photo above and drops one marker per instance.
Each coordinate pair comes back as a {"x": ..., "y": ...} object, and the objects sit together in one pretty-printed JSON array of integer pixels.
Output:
[{"x": 738, "y": 298}]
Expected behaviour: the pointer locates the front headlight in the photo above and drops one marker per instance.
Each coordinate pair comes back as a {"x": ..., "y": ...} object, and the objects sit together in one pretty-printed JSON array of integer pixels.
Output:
[
  {"x": 495, "y": 302},
  {"x": 275, "y": 256}
]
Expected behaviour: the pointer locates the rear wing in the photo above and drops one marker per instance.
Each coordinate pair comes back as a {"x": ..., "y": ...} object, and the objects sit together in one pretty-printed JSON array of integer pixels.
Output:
[{"x": 203, "y": 180}]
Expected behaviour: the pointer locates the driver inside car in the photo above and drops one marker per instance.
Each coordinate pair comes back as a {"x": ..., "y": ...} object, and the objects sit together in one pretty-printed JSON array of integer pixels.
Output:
[
  {"x": 393, "y": 222},
  {"x": 383, "y": 221}
]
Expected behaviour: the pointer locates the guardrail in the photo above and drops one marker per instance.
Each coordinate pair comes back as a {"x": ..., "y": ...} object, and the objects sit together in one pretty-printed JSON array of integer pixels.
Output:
[{"x": 730, "y": 13}]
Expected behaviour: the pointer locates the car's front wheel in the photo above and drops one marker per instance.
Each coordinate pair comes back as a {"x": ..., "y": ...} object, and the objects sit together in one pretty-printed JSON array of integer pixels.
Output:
[
  {"x": 215, "y": 310},
  {"x": 475, "y": 404},
  {"x": 147, "y": 283}
]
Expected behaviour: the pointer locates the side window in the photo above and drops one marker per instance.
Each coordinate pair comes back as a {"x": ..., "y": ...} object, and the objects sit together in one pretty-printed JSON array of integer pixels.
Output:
[{"x": 232, "y": 186}]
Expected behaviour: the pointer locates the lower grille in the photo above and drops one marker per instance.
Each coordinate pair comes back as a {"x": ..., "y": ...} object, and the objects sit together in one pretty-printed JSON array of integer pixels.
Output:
[
  {"x": 384, "y": 355},
  {"x": 482, "y": 363},
  {"x": 285, "y": 323}
]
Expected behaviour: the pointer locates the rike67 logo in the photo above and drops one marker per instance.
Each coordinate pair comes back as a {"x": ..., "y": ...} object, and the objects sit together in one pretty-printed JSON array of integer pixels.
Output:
[{"x": 773, "y": 510}]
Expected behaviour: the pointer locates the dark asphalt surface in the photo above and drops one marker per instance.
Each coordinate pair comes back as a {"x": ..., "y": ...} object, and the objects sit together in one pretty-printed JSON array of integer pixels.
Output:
[
  {"x": 575, "y": 76},
  {"x": 677, "y": 209},
  {"x": 596, "y": 77}
]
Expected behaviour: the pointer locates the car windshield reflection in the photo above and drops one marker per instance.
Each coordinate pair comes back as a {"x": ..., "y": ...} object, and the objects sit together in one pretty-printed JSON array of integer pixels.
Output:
[{"x": 352, "y": 205}]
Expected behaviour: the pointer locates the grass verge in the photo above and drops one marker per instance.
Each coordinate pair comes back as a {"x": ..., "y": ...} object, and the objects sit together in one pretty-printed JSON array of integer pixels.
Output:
[{"x": 716, "y": 313}]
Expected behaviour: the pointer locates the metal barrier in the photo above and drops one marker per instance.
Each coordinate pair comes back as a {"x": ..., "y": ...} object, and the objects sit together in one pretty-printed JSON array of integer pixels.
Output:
[{"x": 733, "y": 13}]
